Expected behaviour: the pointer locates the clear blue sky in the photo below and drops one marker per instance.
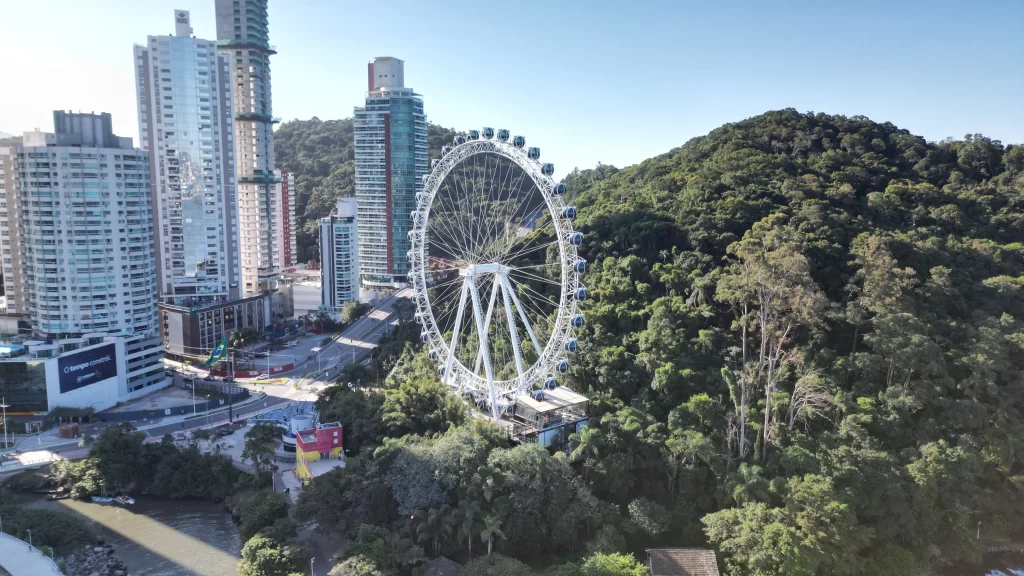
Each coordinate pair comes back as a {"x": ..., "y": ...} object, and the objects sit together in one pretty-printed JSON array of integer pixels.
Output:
[{"x": 587, "y": 81}]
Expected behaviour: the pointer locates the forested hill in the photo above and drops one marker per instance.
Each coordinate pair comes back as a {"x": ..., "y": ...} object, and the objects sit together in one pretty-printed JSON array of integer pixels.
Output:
[
  {"x": 321, "y": 153},
  {"x": 804, "y": 350},
  {"x": 806, "y": 343}
]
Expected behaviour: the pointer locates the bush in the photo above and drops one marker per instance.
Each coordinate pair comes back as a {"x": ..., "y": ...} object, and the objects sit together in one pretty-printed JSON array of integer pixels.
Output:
[
  {"x": 356, "y": 566},
  {"x": 260, "y": 512},
  {"x": 262, "y": 556}
]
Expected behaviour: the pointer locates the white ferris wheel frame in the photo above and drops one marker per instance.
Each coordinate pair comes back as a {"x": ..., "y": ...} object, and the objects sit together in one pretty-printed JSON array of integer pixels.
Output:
[{"x": 498, "y": 394}]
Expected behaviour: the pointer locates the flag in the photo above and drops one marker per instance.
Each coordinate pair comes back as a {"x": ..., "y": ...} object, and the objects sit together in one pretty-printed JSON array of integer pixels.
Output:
[{"x": 217, "y": 353}]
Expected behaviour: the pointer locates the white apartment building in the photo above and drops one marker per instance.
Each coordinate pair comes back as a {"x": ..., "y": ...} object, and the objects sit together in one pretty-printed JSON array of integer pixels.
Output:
[
  {"x": 242, "y": 36},
  {"x": 339, "y": 254},
  {"x": 186, "y": 123},
  {"x": 391, "y": 157},
  {"x": 88, "y": 256},
  {"x": 88, "y": 271},
  {"x": 286, "y": 250},
  {"x": 10, "y": 233}
]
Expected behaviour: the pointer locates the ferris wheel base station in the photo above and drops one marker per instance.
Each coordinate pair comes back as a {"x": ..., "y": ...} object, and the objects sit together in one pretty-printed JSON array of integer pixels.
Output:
[{"x": 546, "y": 417}]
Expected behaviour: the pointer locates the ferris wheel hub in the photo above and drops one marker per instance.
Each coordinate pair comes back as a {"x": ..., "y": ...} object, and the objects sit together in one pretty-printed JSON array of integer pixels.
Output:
[{"x": 479, "y": 269}]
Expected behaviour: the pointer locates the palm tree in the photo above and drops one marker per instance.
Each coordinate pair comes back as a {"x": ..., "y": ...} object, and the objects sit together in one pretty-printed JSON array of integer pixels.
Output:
[
  {"x": 748, "y": 485},
  {"x": 491, "y": 529},
  {"x": 587, "y": 443},
  {"x": 434, "y": 525},
  {"x": 467, "y": 518}
]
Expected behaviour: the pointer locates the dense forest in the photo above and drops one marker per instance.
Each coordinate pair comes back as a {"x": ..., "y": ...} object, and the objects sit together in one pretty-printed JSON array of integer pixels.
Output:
[
  {"x": 804, "y": 350},
  {"x": 322, "y": 156}
]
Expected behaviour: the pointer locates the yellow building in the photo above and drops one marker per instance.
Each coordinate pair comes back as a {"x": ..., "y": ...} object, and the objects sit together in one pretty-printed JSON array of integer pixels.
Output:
[{"x": 318, "y": 450}]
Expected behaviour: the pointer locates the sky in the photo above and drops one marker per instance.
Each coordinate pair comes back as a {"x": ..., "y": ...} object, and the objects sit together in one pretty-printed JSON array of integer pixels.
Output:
[{"x": 587, "y": 81}]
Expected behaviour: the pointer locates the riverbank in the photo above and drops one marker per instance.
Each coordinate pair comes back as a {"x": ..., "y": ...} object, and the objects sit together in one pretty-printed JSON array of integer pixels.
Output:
[
  {"x": 165, "y": 537},
  {"x": 99, "y": 560}
]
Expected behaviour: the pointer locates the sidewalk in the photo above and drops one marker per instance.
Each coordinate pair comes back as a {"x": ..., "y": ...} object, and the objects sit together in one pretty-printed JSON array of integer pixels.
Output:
[{"x": 20, "y": 559}]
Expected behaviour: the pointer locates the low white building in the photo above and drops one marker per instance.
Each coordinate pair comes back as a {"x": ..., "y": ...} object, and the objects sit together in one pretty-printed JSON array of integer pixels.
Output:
[
  {"x": 339, "y": 255},
  {"x": 92, "y": 371}
]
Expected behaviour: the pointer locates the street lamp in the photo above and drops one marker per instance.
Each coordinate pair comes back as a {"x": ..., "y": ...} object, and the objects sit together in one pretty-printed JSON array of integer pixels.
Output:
[
  {"x": 311, "y": 572},
  {"x": 29, "y": 536},
  {"x": 3, "y": 407}
]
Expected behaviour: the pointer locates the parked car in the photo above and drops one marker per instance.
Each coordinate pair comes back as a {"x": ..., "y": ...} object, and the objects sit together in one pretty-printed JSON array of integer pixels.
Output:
[
  {"x": 210, "y": 378},
  {"x": 228, "y": 379},
  {"x": 263, "y": 377},
  {"x": 224, "y": 432}
]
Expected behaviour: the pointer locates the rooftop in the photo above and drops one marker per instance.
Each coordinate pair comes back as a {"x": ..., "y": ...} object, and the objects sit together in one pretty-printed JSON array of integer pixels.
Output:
[
  {"x": 682, "y": 562},
  {"x": 552, "y": 400}
]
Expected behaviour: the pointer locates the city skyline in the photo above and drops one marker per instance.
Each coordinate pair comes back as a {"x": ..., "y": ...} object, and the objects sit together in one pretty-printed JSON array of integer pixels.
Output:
[{"x": 526, "y": 69}]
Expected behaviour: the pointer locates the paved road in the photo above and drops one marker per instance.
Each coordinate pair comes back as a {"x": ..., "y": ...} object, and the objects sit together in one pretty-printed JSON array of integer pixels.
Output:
[{"x": 20, "y": 559}]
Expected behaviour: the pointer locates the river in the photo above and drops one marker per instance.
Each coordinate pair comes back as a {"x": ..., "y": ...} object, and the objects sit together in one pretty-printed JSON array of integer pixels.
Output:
[{"x": 163, "y": 537}]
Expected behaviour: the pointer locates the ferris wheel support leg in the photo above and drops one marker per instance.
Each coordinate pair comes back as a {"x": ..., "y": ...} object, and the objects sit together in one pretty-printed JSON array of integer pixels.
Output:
[
  {"x": 487, "y": 324},
  {"x": 455, "y": 332},
  {"x": 513, "y": 331},
  {"x": 478, "y": 313},
  {"x": 522, "y": 314}
]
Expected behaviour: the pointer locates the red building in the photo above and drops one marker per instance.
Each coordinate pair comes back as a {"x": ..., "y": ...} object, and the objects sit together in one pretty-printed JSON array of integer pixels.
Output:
[{"x": 315, "y": 447}]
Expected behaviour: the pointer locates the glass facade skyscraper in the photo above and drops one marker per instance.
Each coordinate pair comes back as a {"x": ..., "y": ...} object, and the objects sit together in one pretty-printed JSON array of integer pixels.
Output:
[
  {"x": 186, "y": 123},
  {"x": 391, "y": 157}
]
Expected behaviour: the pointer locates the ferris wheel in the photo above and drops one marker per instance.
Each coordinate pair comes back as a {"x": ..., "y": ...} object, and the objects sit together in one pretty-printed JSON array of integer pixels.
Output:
[{"x": 494, "y": 268}]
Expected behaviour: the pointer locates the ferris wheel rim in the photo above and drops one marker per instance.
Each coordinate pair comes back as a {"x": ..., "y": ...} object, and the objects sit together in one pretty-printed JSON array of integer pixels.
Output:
[{"x": 463, "y": 378}]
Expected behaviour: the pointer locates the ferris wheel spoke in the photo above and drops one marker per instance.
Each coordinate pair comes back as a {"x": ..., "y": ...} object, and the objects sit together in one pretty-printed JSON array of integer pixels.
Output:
[
  {"x": 526, "y": 249},
  {"x": 530, "y": 276},
  {"x": 455, "y": 224},
  {"x": 511, "y": 233},
  {"x": 455, "y": 333},
  {"x": 507, "y": 176}
]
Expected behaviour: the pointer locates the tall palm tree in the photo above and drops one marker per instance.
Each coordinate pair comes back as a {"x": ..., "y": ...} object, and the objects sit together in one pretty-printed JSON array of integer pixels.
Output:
[
  {"x": 434, "y": 525},
  {"x": 490, "y": 531},
  {"x": 587, "y": 443},
  {"x": 467, "y": 519}
]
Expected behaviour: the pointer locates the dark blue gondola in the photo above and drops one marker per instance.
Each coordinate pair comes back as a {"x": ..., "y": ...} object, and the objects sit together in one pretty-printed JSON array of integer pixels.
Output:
[
  {"x": 488, "y": 133},
  {"x": 577, "y": 321},
  {"x": 559, "y": 188},
  {"x": 581, "y": 294},
  {"x": 503, "y": 135},
  {"x": 562, "y": 366},
  {"x": 576, "y": 239},
  {"x": 519, "y": 141},
  {"x": 474, "y": 134},
  {"x": 446, "y": 150},
  {"x": 533, "y": 153},
  {"x": 550, "y": 383},
  {"x": 569, "y": 212},
  {"x": 459, "y": 139},
  {"x": 547, "y": 169},
  {"x": 580, "y": 266},
  {"x": 435, "y": 162},
  {"x": 572, "y": 345}
]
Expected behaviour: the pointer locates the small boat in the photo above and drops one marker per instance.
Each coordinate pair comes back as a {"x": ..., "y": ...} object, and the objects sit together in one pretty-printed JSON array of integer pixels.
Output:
[
  {"x": 102, "y": 499},
  {"x": 124, "y": 499}
]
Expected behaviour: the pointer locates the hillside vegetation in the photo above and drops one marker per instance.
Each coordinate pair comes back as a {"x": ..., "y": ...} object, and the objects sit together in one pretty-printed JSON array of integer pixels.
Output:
[
  {"x": 805, "y": 350},
  {"x": 321, "y": 154}
]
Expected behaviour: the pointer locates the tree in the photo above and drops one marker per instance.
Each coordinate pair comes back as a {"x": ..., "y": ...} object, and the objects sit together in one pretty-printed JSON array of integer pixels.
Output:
[
  {"x": 433, "y": 527},
  {"x": 261, "y": 511},
  {"x": 490, "y": 530},
  {"x": 260, "y": 447},
  {"x": 262, "y": 556},
  {"x": 467, "y": 518},
  {"x": 612, "y": 565},
  {"x": 359, "y": 411},
  {"x": 356, "y": 566},
  {"x": 496, "y": 565},
  {"x": 119, "y": 453},
  {"x": 422, "y": 406},
  {"x": 770, "y": 286}
]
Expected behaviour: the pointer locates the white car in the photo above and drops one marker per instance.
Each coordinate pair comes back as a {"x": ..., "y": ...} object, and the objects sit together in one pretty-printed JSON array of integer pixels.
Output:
[{"x": 263, "y": 377}]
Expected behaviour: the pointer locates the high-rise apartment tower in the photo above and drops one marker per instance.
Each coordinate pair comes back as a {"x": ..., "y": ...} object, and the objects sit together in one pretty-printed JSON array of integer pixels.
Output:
[
  {"x": 243, "y": 36},
  {"x": 391, "y": 157},
  {"x": 186, "y": 124},
  {"x": 88, "y": 256}
]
